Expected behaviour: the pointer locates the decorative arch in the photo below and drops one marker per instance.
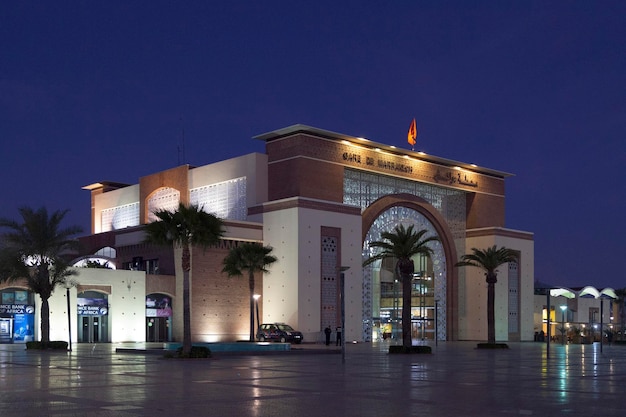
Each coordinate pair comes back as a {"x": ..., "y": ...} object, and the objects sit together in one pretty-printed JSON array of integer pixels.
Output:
[
  {"x": 164, "y": 198},
  {"x": 104, "y": 261},
  {"x": 371, "y": 213}
]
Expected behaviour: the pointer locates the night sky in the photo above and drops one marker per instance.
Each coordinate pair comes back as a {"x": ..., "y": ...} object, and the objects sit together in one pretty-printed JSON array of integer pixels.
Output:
[{"x": 110, "y": 91}]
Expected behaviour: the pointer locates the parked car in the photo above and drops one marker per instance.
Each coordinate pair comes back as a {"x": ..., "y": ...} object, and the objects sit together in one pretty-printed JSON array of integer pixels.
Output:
[{"x": 279, "y": 332}]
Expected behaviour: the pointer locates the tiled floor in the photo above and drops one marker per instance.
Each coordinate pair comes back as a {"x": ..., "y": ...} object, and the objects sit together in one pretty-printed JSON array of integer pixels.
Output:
[{"x": 456, "y": 380}]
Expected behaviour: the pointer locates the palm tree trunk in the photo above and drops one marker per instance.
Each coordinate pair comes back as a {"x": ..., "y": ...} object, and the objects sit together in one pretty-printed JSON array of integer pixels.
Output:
[
  {"x": 407, "y": 339},
  {"x": 186, "y": 264},
  {"x": 491, "y": 313},
  {"x": 251, "y": 284},
  {"x": 622, "y": 315},
  {"x": 45, "y": 320}
]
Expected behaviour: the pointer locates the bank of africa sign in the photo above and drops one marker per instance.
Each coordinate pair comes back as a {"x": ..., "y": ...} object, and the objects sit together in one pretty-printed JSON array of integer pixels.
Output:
[
  {"x": 92, "y": 307},
  {"x": 16, "y": 309}
]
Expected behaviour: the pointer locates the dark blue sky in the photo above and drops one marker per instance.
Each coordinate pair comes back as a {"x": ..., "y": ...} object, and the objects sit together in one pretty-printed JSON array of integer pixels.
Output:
[{"x": 93, "y": 91}]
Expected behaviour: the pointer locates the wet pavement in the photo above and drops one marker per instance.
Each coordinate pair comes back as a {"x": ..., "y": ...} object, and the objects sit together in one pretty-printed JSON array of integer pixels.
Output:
[{"x": 311, "y": 380}]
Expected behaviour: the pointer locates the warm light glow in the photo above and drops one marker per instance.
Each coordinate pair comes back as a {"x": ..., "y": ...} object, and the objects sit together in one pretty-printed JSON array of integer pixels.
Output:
[
  {"x": 377, "y": 149},
  {"x": 421, "y": 153},
  {"x": 102, "y": 261},
  {"x": 256, "y": 297},
  {"x": 457, "y": 168},
  {"x": 474, "y": 165}
]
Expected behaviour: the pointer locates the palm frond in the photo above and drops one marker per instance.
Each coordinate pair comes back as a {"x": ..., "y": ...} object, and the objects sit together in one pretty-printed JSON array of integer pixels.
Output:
[
  {"x": 250, "y": 257},
  {"x": 488, "y": 259}
]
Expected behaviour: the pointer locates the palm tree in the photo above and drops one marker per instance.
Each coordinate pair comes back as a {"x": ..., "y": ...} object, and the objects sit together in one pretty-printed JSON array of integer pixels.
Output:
[
  {"x": 402, "y": 244},
  {"x": 34, "y": 251},
  {"x": 488, "y": 260},
  {"x": 250, "y": 257},
  {"x": 184, "y": 228}
]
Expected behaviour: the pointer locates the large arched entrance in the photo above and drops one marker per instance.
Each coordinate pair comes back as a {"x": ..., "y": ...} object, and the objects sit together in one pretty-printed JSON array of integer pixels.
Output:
[{"x": 433, "y": 303}]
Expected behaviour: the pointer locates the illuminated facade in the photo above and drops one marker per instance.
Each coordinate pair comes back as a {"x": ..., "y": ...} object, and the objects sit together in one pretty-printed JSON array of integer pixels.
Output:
[{"x": 318, "y": 198}]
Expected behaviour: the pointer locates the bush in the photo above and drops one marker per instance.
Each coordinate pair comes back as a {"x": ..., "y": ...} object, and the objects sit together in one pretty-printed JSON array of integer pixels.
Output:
[
  {"x": 53, "y": 345},
  {"x": 196, "y": 352},
  {"x": 412, "y": 349}
]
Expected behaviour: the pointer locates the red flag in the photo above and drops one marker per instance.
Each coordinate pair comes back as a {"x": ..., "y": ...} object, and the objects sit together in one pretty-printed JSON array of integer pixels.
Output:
[{"x": 412, "y": 133}]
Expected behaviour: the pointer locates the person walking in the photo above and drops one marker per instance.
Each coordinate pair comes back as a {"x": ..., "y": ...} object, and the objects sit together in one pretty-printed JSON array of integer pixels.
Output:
[
  {"x": 327, "y": 331},
  {"x": 339, "y": 336}
]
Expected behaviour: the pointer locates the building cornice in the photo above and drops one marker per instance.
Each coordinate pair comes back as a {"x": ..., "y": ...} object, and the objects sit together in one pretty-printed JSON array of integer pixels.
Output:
[
  {"x": 299, "y": 202},
  {"x": 499, "y": 231},
  {"x": 380, "y": 147}
]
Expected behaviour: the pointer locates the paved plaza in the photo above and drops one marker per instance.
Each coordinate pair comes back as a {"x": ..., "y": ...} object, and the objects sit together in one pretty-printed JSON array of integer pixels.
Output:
[{"x": 456, "y": 380}]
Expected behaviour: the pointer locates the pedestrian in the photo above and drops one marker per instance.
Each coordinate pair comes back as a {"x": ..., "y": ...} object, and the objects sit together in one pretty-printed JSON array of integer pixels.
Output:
[
  {"x": 327, "y": 331},
  {"x": 339, "y": 336}
]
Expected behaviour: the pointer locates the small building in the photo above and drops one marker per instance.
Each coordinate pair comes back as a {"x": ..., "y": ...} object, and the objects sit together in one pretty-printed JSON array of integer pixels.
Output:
[{"x": 578, "y": 315}]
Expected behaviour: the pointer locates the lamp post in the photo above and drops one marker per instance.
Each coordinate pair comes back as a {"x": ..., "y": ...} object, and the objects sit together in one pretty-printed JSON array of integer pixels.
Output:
[
  {"x": 563, "y": 308},
  {"x": 394, "y": 321},
  {"x": 69, "y": 285},
  {"x": 342, "y": 294},
  {"x": 436, "y": 319},
  {"x": 601, "y": 323},
  {"x": 256, "y": 304}
]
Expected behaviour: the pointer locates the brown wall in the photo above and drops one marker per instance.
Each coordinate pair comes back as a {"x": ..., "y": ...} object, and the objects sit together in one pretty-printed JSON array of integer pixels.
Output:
[
  {"x": 221, "y": 305},
  {"x": 165, "y": 284},
  {"x": 310, "y": 166},
  {"x": 305, "y": 178},
  {"x": 485, "y": 211},
  {"x": 177, "y": 178}
]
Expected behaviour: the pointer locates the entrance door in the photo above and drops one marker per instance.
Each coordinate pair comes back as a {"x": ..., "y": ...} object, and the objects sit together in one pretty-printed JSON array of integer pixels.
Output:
[
  {"x": 93, "y": 329},
  {"x": 157, "y": 329}
]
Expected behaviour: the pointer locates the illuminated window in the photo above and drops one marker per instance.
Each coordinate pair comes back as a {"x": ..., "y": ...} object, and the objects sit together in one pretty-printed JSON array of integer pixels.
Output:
[{"x": 226, "y": 200}]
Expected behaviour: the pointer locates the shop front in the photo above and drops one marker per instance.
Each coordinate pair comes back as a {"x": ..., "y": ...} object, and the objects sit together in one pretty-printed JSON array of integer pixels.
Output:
[
  {"x": 158, "y": 318},
  {"x": 93, "y": 317},
  {"x": 17, "y": 316}
]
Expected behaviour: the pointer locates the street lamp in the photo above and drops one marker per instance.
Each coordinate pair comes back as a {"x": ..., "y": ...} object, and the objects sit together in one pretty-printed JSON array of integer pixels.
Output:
[
  {"x": 256, "y": 303},
  {"x": 563, "y": 308},
  {"x": 68, "y": 285},
  {"x": 342, "y": 294},
  {"x": 436, "y": 319}
]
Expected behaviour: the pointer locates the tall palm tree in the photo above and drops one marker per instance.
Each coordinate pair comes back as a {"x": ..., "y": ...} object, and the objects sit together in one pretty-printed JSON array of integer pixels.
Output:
[
  {"x": 185, "y": 228},
  {"x": 402, "y": 244},
  {"x": 489, "y": 260},
  {"x": 34, "y": 251},
  {"x": 250, "y": 257}
]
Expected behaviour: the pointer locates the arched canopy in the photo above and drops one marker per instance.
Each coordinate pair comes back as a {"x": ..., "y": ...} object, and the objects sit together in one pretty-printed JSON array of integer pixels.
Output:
[
  {"x": 562, "y": 292},
  {"x": 590, "y": 291}
]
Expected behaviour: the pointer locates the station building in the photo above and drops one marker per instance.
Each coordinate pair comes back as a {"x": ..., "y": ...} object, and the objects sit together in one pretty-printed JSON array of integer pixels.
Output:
[{"x": 318, "y": 198}]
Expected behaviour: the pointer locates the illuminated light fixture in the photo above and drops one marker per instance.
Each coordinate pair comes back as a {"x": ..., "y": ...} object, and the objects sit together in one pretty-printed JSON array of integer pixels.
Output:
[
  {"x": 407, "y": 157},
  {"x": 363, "y": 139},
  {"x": 377, "y": 149},
  {"x": 345, "y": 142},
  {"x": 457, "y": 168},
  {"x": 421, "y": 153},
  {"x": 392, "y": 147},
  {"x": 474, "y": 165}
]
